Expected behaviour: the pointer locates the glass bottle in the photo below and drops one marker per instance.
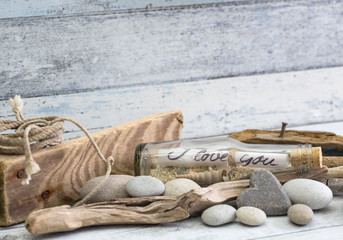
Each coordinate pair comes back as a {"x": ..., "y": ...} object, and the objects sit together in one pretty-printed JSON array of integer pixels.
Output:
[{"x": 215, "y": 159}]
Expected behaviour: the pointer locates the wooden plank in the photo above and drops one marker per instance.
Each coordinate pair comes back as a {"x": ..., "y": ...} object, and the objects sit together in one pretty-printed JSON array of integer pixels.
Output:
[
  {"x": 42, "y": 56},
  {"x": 209, "y": 107},
  {"x": 29, "y": 8},
  {"x": 66, "y": 167}
]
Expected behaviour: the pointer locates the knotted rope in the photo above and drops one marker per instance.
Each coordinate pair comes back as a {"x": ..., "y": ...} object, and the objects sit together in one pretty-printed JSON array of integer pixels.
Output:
[{"x": 36, "y": 133}]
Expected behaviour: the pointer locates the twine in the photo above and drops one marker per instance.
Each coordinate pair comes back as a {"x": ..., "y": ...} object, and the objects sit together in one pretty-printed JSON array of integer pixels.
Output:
[{"x": 36, "y": 133}]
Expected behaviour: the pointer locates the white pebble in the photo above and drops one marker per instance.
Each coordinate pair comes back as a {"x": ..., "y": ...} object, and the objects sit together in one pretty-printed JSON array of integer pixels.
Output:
[
  {"x": 218, "y": 215},
  {"x": 300, "y": 214},
  {"x": 309, "y": 192},
  {"x": 179, "y": 186},
  {"x": 144, "y": 186},
  {"x": 251, "y": 216}
]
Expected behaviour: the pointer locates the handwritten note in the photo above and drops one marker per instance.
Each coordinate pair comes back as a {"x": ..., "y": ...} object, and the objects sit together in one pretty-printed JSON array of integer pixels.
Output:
[
  {"x": 262, "y": 160},
  {"x": 192, "y": 157}
]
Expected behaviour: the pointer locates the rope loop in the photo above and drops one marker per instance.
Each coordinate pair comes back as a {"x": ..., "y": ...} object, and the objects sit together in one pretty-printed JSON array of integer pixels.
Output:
[{"x": 36, "y": 133}]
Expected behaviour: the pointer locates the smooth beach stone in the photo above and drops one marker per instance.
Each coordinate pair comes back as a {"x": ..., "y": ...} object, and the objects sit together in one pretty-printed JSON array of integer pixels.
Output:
[
  {"x": 218, "y": 215},
  {"x": 114, "y": 187},
  {"x": 312, "y": 193},
  {"x": 144, "y": 186},
  {"x": 300, "y": 214},
  {"x": 251, "y": 216},
  {"x": 265, "y": 193},
  {"x": 179, "y": 186}
]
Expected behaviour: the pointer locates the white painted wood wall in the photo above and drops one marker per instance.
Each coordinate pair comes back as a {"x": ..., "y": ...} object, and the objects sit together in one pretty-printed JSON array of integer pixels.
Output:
[{"x": 227, "y": 65}]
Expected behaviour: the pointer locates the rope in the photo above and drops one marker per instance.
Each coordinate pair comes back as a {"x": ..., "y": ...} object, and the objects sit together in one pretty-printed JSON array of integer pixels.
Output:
[{"x": 36, "y": 133}]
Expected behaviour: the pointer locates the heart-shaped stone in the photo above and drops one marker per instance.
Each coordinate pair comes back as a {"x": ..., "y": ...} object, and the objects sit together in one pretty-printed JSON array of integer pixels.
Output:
[{"x": 265, "y": 193}]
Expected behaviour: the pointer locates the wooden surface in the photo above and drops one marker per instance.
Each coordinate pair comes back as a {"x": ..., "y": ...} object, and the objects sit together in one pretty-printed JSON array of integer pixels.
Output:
[
  {"x": 29, "y": 8},
  {"x": 227, "y": 66},
  {"x": 223, "y": 105},
  {"x": 327, "y": 223},
  {"x": 330, "y": 143},
  {"x": 66, "y": 167},
  {"x": 94, "y": 50}
]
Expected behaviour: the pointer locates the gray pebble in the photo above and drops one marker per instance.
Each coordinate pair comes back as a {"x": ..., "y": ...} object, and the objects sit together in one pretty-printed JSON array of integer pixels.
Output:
[
  {"x": 251, "y": 216},
  {"x": 218, "y": 215},
  {"x": 144, "y": 186},
  {"x": 312, "y": 193},
  {"x": 179, "y": 186},
  {"x": 300, "y": 214},
  {"x": 265, "y": 193},
  {"x": 114, "y": 187}
]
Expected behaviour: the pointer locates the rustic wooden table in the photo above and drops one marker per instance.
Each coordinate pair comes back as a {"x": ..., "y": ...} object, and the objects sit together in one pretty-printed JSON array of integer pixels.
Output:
[{"x": 327, "y": 223}]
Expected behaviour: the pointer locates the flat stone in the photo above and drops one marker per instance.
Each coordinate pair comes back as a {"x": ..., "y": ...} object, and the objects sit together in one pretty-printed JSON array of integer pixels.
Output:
[
  {"x": 218, "y": 215},
  {"x": 251, "y": 216},
  {"x": 145, "y": 186},
  {"x": 312, "y": 193},
  {"x": 114, "y": 187},
  {"x": 265, "y": 193},
  {"x": 300, "y": 214},
  {"x": 179, "y": 186}
]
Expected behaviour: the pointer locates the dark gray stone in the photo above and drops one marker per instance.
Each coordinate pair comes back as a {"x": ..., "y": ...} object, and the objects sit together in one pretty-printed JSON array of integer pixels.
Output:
[{"x": 265, "y": 193}]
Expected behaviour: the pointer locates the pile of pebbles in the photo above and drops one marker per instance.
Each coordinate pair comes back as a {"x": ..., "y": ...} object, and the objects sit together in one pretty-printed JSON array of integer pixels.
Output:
[{"x": 266, "y": 197}]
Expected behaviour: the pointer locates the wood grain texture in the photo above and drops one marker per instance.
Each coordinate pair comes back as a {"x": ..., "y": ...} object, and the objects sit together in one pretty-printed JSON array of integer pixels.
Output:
[
  {"x": 41, "y": 56},
  {"x": 330, "y": 161},
  {"x": 209, "y": 107},
  {"x": 331, "y": 144},
  {"x": 28, "y": 8},
  {"x": 66, "y": 167}
]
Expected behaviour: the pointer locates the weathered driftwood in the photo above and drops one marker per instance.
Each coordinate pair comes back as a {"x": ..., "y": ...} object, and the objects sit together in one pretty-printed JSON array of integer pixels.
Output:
[
  {"x": 335, "y": 172},
  {"x": 331, "y": 161},
  {"x": 332, "y": 144},
  {"x": 66, "y": 167},
  {"x": 148, "y": 210}
]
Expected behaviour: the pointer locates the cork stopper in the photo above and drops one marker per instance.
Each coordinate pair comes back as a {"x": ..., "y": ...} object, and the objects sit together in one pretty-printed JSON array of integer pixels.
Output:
[{"x": 307, "y": 157}]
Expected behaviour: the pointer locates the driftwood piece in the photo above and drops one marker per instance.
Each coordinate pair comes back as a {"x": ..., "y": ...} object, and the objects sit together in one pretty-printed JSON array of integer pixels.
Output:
[
  {"x": 335, "y": 172},
  {"x": 148, "y": 210},
  {"x": 66, "y": 167},
  {"x": 331, "y": 161},
  {"x": 332, "y": 144}
]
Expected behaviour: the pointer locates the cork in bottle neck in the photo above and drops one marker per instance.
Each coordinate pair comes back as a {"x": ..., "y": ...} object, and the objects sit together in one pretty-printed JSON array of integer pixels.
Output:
[{"x": 306, "y": 157}]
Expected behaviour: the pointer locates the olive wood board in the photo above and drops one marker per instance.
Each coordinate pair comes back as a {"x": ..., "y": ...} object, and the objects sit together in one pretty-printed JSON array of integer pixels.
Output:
[{"x": 66, "y": 167}]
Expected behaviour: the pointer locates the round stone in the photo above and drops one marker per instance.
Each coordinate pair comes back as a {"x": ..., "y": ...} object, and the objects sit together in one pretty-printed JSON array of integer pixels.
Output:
[
  {"x": 218, "y": 215},
  {"x": 300, "y": 214},
  {"x": 179, "y": 186},
  {"x": 309, "y": 192},
  {"x": 144, "y": 186},
  {"x": 251, "y": 216},
  {"x": 114, "y": 187}
]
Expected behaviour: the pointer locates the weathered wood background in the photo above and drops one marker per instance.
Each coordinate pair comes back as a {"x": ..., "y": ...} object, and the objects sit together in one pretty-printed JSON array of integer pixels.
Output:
[{"x": 227, "y": 65}]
